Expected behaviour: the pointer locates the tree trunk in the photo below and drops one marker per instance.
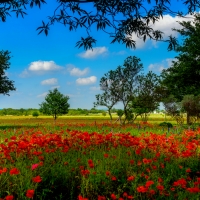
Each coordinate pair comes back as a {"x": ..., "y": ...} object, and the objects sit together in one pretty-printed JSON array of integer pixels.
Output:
[{"x": 110, "y": 115}]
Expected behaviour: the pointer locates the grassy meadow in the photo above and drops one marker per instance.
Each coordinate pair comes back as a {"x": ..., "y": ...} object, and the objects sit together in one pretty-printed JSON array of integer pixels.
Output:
[{"x": 88, "y": 158}]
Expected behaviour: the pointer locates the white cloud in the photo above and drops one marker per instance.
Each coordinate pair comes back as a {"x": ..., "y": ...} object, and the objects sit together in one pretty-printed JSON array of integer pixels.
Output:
[
  {"x": 51, "y": 81},
  {"x": 164, "y": 64},
  {"x": 41, "y": 67},
  {"x": 86, "y": 81},
  {"x": 74, "y": 71},
  {"x": 97, "y": 51},
  {"x": 95, "y": 88},
  {"x": 165, "y": 25},
  {"x": 42, "y": 95},
  {"x": 44, "y": 66}
]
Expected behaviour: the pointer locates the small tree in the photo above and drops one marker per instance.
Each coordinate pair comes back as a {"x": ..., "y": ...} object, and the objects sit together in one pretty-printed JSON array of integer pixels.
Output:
[
  {"x": 5, "y": 84},
  {"x": 119, "y": 85},
  {"x": 55, "y": 104},
  {"x": 35, "y": 114},
  {"x": 120, "y": 113},
  {"x": 104, "y": 113}
]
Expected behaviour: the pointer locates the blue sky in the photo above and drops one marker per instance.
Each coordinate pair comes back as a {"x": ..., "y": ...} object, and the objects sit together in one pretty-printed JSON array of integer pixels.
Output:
[{"x": 41, "y": 63}]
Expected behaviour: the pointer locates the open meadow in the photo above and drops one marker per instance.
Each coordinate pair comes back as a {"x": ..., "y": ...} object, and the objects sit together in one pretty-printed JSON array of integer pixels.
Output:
[{"x": 87, "y": 157}]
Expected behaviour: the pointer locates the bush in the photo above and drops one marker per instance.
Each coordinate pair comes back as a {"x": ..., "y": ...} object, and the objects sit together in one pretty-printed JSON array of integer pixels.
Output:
[
  {"x": 35, "y": 114},
  {"x": 166, "y": 124}
]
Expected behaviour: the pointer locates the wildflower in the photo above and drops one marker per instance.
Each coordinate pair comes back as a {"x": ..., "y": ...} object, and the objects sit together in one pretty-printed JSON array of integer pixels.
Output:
[
  {"x": 107, "y": 173},
  {"x": 30, "y": 194},
  {"x": 131, "y": 162},
  {"x": 91, "y": 165},
  {"x": 113, "y": 178},
  {"x": 9, "y": 197},
  {"x": 105, "y": 155},
  {"x": 149, "y": 183},
  {"x": 36, "y": 179},
  {"x": 85, "y": 172},
  {"x": 125, "y": 194},
  {"x": 65, "y": 163},
  {"x": 193, "y": 190},
  {"x": 142, "y": 189},
  {"x": 113, "y": 197},
  {"x": 82, "y": 198},
  {"x": 160, "y": 180},
  {"x": 101, "y": 197},
  {"x": 130, "y": 178},
  {"x": 160, "y": 187},
  {"x": 3, "y": 170},
  {"x": 14, "y": 171},
  {"x": 34, "y": 166},
  {"x": 188, "y": 170},
  {"x": 152, "y": 192}
]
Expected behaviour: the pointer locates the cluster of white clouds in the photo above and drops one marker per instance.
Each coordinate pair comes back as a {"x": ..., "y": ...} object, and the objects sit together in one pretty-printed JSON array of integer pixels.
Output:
[
  {"x": 166, "y": 24},
  {"x": 164, "y": 64},
  {"x": 74, "y": 71},
  {"x": 86, "y": 81},
  {"x": 51, "y": 81},
  {"x": 40, "y": 68},
  {"x": 93, "y": 53}
]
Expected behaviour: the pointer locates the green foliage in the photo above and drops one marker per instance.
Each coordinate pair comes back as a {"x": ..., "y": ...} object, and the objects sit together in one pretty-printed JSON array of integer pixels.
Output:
[
  {"x": 183, "y": 77},
  {"x": 104, "y": 113},
  {"x": 120, "y": 19},
  {"x": 166, "y": 124},
  {"x": 5, "y": 84},
  {"x": 120, "y": 112},
  {"x": 55, "y": 104},
  {"x": 35, "y": 114},
  {"x": 147, "y": 95},
  {"x": 118, "y": 85}
]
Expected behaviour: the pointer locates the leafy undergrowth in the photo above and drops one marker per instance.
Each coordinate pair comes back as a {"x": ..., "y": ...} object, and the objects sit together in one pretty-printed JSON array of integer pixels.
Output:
[{"x": 73, "y": 164}]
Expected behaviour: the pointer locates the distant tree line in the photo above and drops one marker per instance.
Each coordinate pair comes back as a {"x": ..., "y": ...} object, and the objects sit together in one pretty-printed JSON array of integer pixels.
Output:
[{"x": 30, "y": 111}]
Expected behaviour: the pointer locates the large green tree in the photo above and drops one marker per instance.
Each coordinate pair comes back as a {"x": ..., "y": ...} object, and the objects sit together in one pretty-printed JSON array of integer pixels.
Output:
[
  {"x": 6, "y": 85},
  {"x": 55, "y": 104},
  {"x": 148, "y": 95},
  {"x": 118, "y": 18},
  {"x": 183, "y": 77},
  {"x": 119, "y": 85}
]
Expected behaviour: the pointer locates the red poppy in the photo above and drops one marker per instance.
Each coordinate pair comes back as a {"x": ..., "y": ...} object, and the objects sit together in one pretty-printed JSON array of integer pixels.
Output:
[
  {"x": 149, "y": 183},
  {"x": 30, "y": 193},
  {"x": 105, "y": 155},
  {"x": 113, "y": 197},
  {"x": 107, "y": 173},
  {"x": 36, "y": 179},
  {"x": 113, "y": 178},
  {"x": 101, "y": 197},
  {"x": 131, "y": 162},
  {"x": 160, "y": 187},
  {"x": 3, "y": 170},
  {"x": 14, "y": 171},
  {"x": 142, "y": 189},
  {"x": 188, "y": 170},
  {"x": 130, "y": 178},
  {"x": 9, "y": 197}
]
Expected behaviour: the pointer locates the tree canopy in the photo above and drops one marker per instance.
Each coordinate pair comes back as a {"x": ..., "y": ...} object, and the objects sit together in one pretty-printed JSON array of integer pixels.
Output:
[
  {"x": 55, "y": 104},
  {"x": 118, "y": 18},
  {"x": 183, "y": 77},
  {"x": 6, "y": 85},
  {"x": 119, "y": 85}
]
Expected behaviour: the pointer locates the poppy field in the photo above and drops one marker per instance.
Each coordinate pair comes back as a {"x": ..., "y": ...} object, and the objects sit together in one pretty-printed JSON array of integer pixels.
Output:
[{"x": 96, "y": 161}]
